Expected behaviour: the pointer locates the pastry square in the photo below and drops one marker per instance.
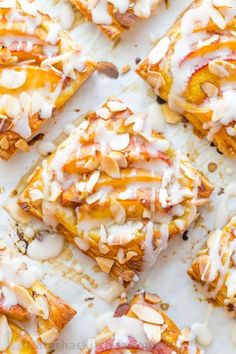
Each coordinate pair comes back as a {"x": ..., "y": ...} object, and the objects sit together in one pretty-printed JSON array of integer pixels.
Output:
[
  {"x": 26, "y": 300},
  {"x": 193, "y": 68},
  {"x": 114, "y": 17},
  {"x": 117, "y": 189},
  {"x": 214, "y": 268},
  {"x": 40, "y": 69},
  {"x": 141, "y": 326}
]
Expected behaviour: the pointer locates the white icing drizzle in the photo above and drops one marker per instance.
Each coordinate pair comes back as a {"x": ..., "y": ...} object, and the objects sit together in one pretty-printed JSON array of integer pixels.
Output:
[
  {"x": 45, "y": 247},
  {"x": 202, "y": 331},
  {"x": 101, "y": 16},
  {"x": 223, "y": 211}
]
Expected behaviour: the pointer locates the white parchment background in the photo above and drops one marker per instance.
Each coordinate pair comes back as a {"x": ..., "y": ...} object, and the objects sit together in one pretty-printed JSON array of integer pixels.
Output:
[{"x": 168, "y": 278}]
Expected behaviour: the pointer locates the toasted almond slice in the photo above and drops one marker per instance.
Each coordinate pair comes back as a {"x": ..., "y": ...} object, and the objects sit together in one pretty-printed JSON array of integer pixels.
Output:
[
  {"x": 104, "y": 113},
  {"x": 110, "y": 166},
  {"x": 187, "y": 335},
  {"x": 160, "y": 50},
  {"x": 217, "y": 18},
  {"x": 133, "y": 118},
  {"x": 152, "y": 298},
  {"x": 82, "y": 244},
  {"x": 120, "y": 142},
  {"x": 42, "y": 301},
  {"x": 26, "y": 301},
  {"x": 156, "y": 80},
  {"x": 118, "y": 212},
  {"x": 171, "y": 116},
  {"x": 50, "y": 336},
  {"x": 22, "y": 145},
  {"x": 103, "y": 248},
  {"x": 129, "y": 255},
  {"x": 153, "y": 332},
  {"x": 4, "y": 144},
  {"x": 105, "y": 264},
  {"x": 219, "y": 68},
  {"x": 5, "y": 333},
  {"x": 115, "y": 106},
  {"x": 209, "y": 89},
  {"x": 147, "y": 314},
  {"x": 120, "y": 158},
  {"x": 92, "y": 181}
]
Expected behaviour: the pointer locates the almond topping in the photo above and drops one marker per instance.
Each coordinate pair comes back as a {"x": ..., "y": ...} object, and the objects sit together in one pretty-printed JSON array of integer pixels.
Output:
[
  {"x": 209, "y": 89},
  {"x": 118, "y": 212},
  {"x": 105, "y": 264},
  {"x": 219, "y": 68},
  {"x": 103, "y": 248},
  {"x": 50, "y": 336},
  {"x": 115, "y": 106},
  {"x": 120, "y": 159},
  {"x": 92, "y": 181},
  {"x": 5, "y": 333},
  {"x": 152, "y": 298},
  {"x": 108, "y": 69},
  {"x": 160, "y": 50},
  {"x": 110, "y": 166},
  {"x": 42, "y": 301},
  {"x": 147, "y": 314},
  {"x": 156, "y": 80},
  {"x": 217, "y": 18},
  {"x": 4, "y": 144},
  {"x": 22, "y": 145},
  {"x": 120, "y": 142},
  {"x": 26, "y": 301},
  {"x": 104, "y": 113},
  {"x": 153, "y": 332},
  {"x": 171, "y": 117}
]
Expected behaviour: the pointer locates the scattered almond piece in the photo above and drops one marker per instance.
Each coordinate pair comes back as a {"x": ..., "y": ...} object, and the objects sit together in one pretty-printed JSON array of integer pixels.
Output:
[
  {"x": 26, "y": 301},
  {"x": 110, "y": 166},
  {"x": 118, "y": 212},
  {"x": 22, "y": 145},
  {"x": 152, "y": 298},
  {"x": 209, "y": 89},
  {"x": 171, "y": 117},
  {"x": 4, "y": 144},
  {"x": 105, "y": 264},
  {"x": 108, "y": 69},
  {"x": 50, "y": 336},
  {"x": 5, "y": 333},
  {"x": 212, "y": 167},
  {"x": 153, "y": 332},
  {"x": 125, "y": 69}
]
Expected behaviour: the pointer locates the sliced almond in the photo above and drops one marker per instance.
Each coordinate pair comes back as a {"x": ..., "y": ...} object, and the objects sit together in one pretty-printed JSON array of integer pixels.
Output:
[
  {"x": 222, "y": 3},
  {"x": 118, "y": 212},
  {"x": 4, "y": 144},
  {"x": 105, "y": 264},
  {"x": 171, "y": 116},
  {"x": 153, "y": 332},
  {"x": 152, "y": 298},
  {"x": 125, "y": 69},
  {"x": 120, "y": 142},
  {"x": 103, "y": 248},
  {"x": 217, "y": 18},
  {"x": 219, "y": 68},
  {"x": 160, "y": 50},
  {"x": 22, "y": 145},
  {"x": 110, "y": 166},
  {"x": 42, "y": 301},
  {"x": 129, "y": 255},
  {"x": 108, "y": 69},
  {"x": 92, "y": 181},
  {"x": 115, "y": 106},
  {"x": 156, "y": 80},
  {"x": 209, "y": 89},
  {"x": 5, "y": 333},
  {"x": 120, "y": 158},
  {"x": 50, "y": 336},
  {"x": 104, "y": 113},
  {"x": 25, "y": 300},
  {"x": 147, "y": 314}
]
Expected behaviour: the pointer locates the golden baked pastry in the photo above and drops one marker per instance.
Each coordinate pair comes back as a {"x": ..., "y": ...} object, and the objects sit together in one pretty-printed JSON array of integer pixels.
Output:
[
  {"x": 141, "y": 327},
  {"x": 214, "y": 268},
  {"x": 114, "y": 16},
  {"x": 40, "y": 69},
  {"x": 117, "y": 189},
  {"x": 193, "y": 68},
  {"x": 24, "y": 298}
]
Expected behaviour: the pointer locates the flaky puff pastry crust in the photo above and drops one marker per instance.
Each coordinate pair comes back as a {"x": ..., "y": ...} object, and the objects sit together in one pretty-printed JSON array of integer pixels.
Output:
[
  {"x": 193, "y": 68},
  {"x": 108, "y": 181},
  {"x": 214, "y": 267},
  {"x": 40, "y": 69},
  {"x": 163, "y": 336},
  {"x": 121, "y": 22},
  {"x": 49, "y": 313}
]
